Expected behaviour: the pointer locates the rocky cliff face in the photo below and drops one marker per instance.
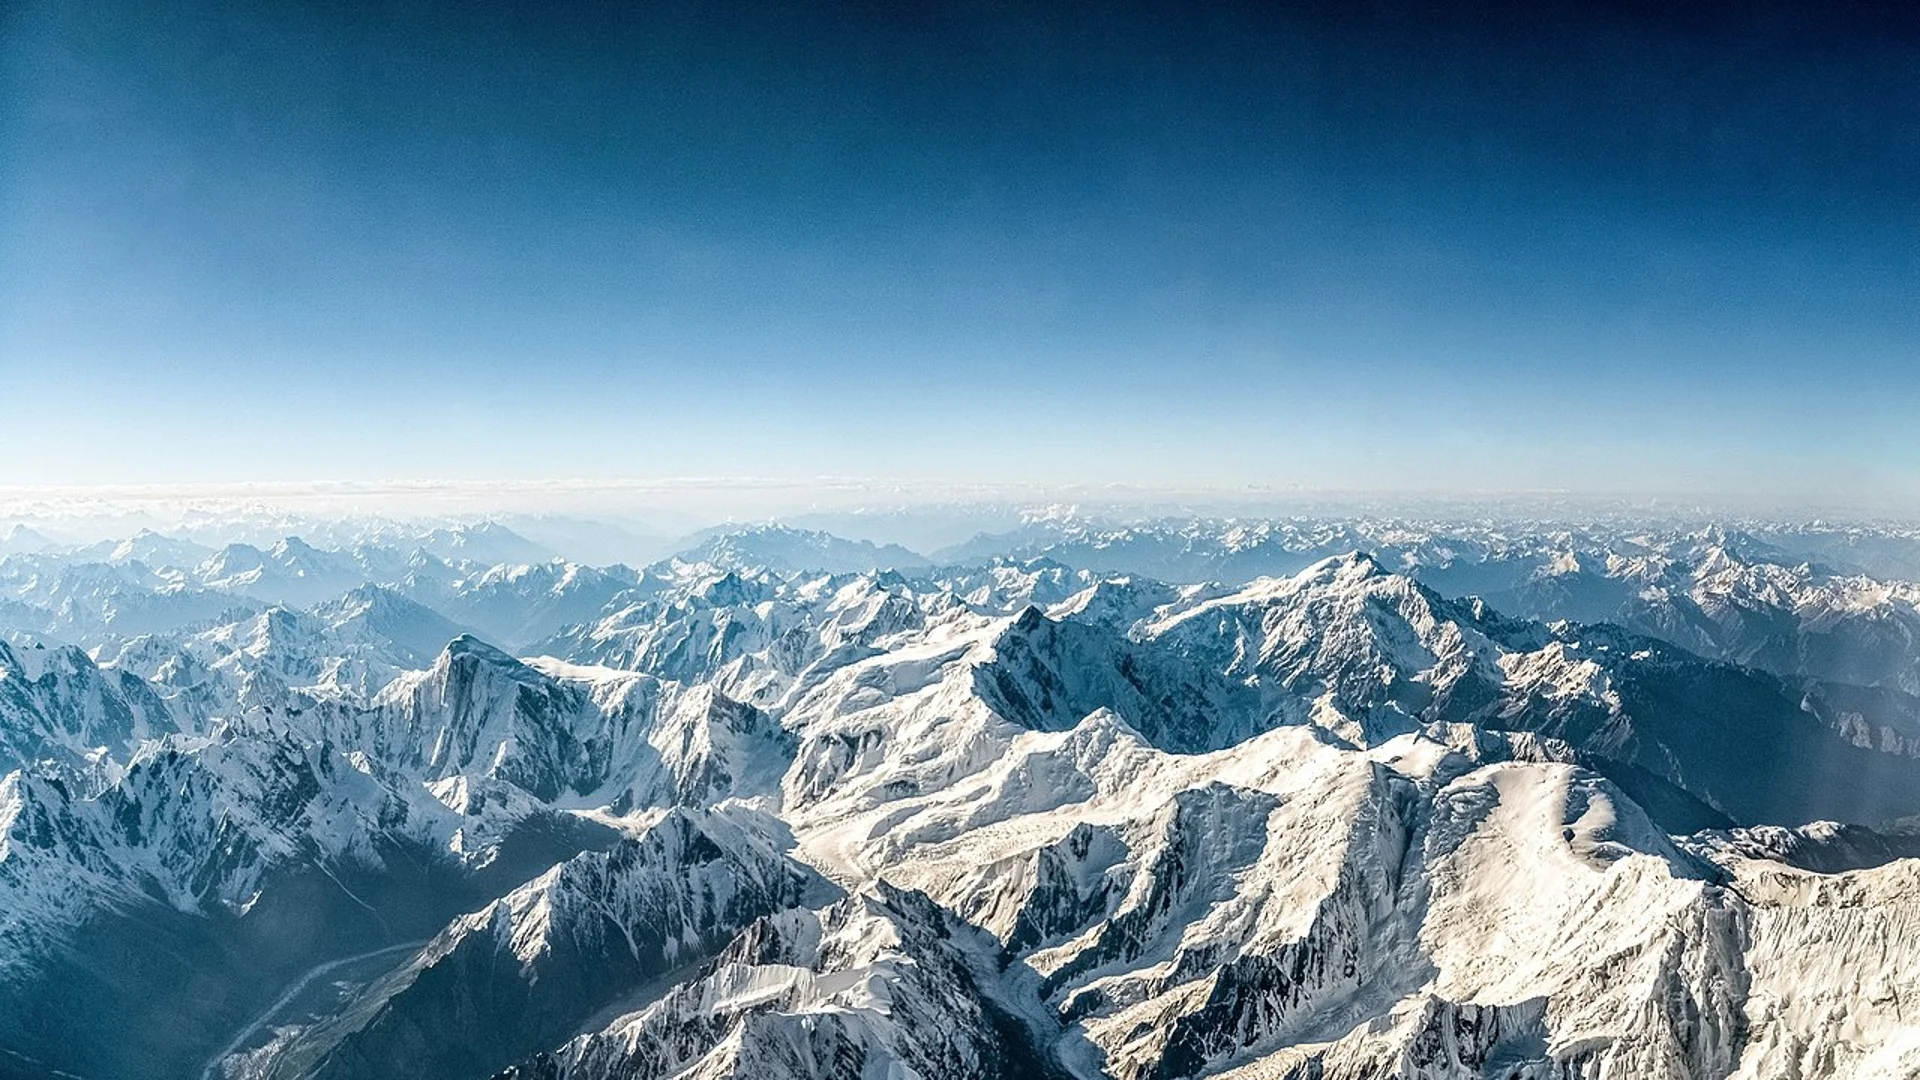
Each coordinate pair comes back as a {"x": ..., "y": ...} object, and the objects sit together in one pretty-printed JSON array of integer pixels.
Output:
[{"x": 525, "y": 971}]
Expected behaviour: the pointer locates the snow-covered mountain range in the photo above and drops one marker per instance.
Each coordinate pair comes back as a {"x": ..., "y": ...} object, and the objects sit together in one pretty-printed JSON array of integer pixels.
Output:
[{"x": 1252, "y": 799}]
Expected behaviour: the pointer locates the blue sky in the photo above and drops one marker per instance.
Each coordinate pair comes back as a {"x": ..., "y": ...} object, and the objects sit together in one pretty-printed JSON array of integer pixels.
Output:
[{"x": 1358, "y": 246}]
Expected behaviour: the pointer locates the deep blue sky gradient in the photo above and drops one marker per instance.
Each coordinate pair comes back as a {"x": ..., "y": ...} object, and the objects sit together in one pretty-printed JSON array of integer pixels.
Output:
[{"x": 1598, "y": 247}]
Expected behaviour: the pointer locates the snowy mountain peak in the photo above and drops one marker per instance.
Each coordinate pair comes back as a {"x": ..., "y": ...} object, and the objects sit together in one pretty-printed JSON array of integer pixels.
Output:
[
  {"x": 465, "y": 647},
  {"x": 1338, "y": 798}
]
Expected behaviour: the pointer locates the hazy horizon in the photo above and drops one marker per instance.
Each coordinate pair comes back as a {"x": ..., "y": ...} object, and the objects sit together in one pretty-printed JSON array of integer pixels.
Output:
[{"x": 644, "y": 519}]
